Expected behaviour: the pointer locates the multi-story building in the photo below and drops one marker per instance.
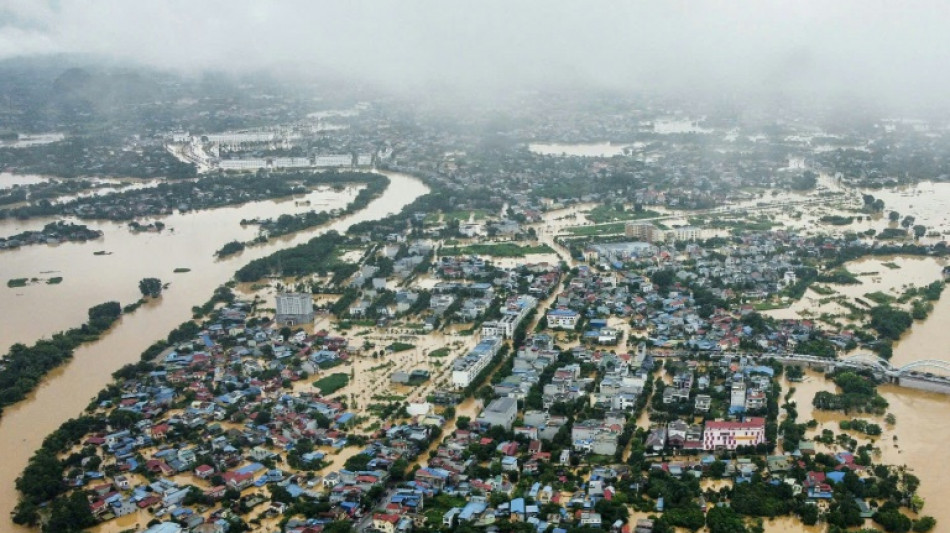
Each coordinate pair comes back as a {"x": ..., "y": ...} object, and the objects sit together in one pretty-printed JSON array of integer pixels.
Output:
[
  {"x": 720, "y": 435},
  {"x": 501, "y": 412},
  {"x": 685, "y": 233},
  {"x": 737, "y": 398},
  {"x": 562, "y": 318},
  {"x": 466, "y": 367},
  {"x": 512, "y": 314},
  {"x": 294, "y": 308},
  {"x": 643, "y": 231}
]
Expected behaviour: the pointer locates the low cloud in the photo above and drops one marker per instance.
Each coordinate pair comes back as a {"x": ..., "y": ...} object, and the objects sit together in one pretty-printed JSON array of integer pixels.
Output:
[{"x": 891, "y": 52}]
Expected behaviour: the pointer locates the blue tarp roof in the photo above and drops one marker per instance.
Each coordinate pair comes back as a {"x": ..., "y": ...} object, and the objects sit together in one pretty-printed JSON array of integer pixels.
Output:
[
  {"x": 251, "y": 468},
  {"x": 517, "y": 505}
]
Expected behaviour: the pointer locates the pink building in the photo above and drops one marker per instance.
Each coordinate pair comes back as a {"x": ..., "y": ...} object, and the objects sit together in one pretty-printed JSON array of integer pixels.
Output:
[{"x": 730, "y": 435}]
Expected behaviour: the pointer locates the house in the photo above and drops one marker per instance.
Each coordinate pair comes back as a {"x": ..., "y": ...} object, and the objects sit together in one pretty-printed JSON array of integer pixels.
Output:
[
  {"x": 204, "y": 471},
  {"x": 448, "y": 519},
  {"x": 591, "y": 519},
  {"x": 385, "y": 522},
  {"x": 703, "y": 403}
]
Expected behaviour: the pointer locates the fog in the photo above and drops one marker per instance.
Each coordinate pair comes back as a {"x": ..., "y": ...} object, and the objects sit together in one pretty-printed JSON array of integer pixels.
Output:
[{"x": 857, "y": 50}]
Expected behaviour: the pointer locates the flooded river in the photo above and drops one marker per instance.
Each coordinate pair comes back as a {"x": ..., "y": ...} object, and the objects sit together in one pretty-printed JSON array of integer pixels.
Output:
[
  {"x": 921, "y": 435},
  {"x": 37, "y": 310}
]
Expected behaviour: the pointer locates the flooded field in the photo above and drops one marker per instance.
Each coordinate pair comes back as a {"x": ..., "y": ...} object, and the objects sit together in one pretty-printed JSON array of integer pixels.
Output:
[{"x": 8, "y": 180}]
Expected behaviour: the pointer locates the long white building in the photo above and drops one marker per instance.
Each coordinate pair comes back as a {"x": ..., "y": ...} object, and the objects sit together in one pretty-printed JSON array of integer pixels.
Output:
[
  {"x": 514, "y": 312},
  {"x": 730, "y": 435},
  {"x": 466, "y": 367}
]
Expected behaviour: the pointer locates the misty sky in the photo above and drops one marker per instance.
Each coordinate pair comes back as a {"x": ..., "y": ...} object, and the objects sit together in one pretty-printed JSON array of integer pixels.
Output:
[{"x": 896, "y": 51}]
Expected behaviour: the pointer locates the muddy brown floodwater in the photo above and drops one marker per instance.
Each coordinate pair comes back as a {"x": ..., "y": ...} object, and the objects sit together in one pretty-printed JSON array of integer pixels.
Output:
[
  {"x": 920, "y": 431},
  {"x": 39, "y": 310}
]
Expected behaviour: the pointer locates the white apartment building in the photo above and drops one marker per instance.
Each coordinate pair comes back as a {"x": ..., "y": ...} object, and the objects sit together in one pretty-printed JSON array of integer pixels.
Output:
[{"x": 466, "y": 367}]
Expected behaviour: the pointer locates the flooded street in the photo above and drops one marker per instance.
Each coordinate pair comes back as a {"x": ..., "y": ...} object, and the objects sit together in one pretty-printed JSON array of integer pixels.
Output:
[{"x": 89, "y": 280}]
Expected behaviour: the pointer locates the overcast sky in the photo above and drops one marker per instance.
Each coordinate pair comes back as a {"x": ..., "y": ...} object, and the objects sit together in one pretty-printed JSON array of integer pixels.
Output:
[{"x": 869, "y": 49}]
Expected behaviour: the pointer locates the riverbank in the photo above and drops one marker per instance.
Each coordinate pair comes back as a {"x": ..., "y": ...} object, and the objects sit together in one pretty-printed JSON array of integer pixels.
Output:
[{"x": 68, "y": 389}]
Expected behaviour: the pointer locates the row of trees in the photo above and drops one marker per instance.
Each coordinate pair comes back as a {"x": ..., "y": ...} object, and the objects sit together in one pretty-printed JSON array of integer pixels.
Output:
[{"x": 25, "y": 366}]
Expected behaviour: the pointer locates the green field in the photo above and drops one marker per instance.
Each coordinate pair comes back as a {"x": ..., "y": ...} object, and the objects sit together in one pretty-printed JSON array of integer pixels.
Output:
[
  {"x": 331, "y": 383},
  {"x": 605, "y": 229},
  {"x": 399, "y": 347},
  {"x": 607, "y": 213}
]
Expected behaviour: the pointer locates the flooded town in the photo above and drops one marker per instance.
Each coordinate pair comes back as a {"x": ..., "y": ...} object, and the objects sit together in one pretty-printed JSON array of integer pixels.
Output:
[{"x": 237, "y": 299}]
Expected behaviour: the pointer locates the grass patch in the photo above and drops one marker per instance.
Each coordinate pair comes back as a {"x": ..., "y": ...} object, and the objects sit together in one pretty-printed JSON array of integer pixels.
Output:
[
  {"x": 822, "y": 290},
  {"x": 400, "y": 347},
  {"x": 56, "y": 280},
  {"x": 330, "y": 363},
  {"x": 609, "y": 213},
  {"x": 767, "y": 306},
  {"x": 331, "y": 383},
  {"x": 879, "y": 297},
  {"x": 181, "y": 270},
  {"x": 891, "y": 265},
  {"x": 499, "y": 250},
  {"x": 440, "y": 352},
  {"x": 17, "y": 282},
  {"x": 605, "y": 229}
]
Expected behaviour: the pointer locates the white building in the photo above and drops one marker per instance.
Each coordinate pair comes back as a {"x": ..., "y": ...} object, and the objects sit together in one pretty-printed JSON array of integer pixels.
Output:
[
  {"x": 291, "y": 162},
  {"x": 737, "y": 397},
  {"x": 730, "y": 435},
  {"x": 242, "y": 164},
  {"x": 294, "y": 308},
  {"x": 686, "y": 233},
  {"x": 466, "y": 367},
  {"x": 643, "y": 231},
  {"x": 236, "y": 138},
  {"x": 341, "y": 160},
  {"x": 562, "y": 318},
  {"x": 514, "y": 312}
]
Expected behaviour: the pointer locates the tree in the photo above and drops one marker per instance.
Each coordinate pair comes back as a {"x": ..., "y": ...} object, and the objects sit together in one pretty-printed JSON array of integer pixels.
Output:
[
  {"x": 919, "y": 231},
  {"x": 890, "y": 322},
  {"x": 893, "y": 216},
  {"x": 151, "y": 287},
  {"x": 70, "y": 514},
  {"x": 924, "y": 524},
  {"x": 724, "y": 520},
  {"x": 397, "y": 472}
]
